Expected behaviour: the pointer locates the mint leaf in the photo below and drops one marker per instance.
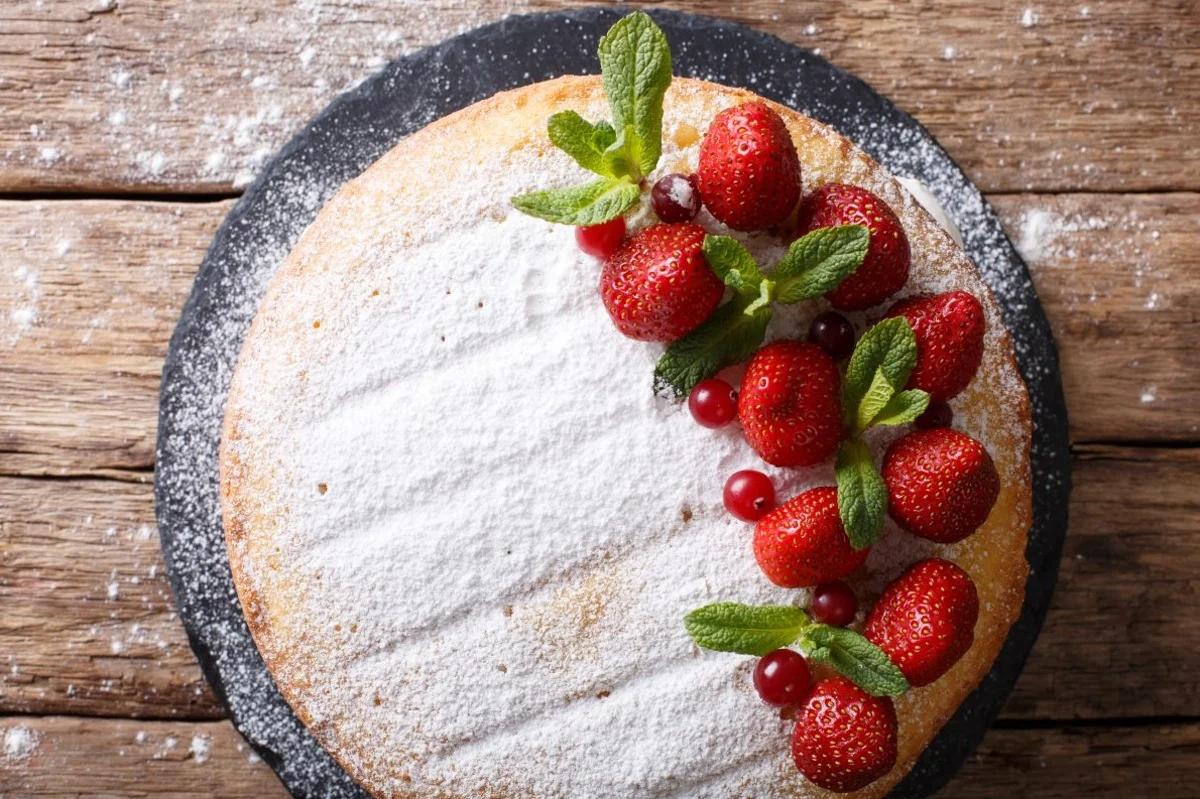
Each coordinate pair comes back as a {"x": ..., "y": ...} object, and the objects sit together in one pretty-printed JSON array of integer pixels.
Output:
[
  {"x": 635, "y": 61},
  {"x": 603, "y": 136},
  {"x": 617, "y": 158},
  {"x": 819, "y": 261},
  {"x": 903, "y": 408},
  {"x": 855, "y": 658},
  {"x": 889, "y": 347},
  {"x": 861, "y": 494},
  {"x": 729, "y": 336},
  {"x": 580, "y": 139},
  {"x": 878, "y": 394},
  {"x": 734, "y": 264},
  {"x": 589, "y": 204},
  {"x": 745, "y": 629}
]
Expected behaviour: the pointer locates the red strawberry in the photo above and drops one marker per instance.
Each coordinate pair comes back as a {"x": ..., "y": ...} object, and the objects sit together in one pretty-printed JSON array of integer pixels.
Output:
[
  {"x": 941, "y": 484},
  {"x": 802, "y": 542},
  {"x": 845, "y": 739},
  {"x": 925, "y": 619},
  {"x": 749, "y": 171},
  {"x": 949, "y": 329},
  {"x": 790, "y": 404},
  {"x": 885, "y": 269},
  {"x": 658, "y": 286}
]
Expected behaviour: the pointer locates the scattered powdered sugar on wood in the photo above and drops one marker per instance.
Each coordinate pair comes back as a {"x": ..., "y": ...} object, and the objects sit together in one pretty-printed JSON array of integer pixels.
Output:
[{"x": 19, "y": 743}]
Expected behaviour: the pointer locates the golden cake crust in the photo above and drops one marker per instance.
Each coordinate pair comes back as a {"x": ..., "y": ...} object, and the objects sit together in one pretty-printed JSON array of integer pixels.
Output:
[{"x": 515, "y": 120}]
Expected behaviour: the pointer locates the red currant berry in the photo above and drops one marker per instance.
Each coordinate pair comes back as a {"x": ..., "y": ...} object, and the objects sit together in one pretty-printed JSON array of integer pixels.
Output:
[
  {"x": 601, "y": 240},
  {"x": 749, "y": 495},
  {"x": 833, "y": 333},
  {"x": 676, "y": 198},
  {"x": 834, "y": 604},
  {"x": 781, "y": 678},
  {"x": 938, "y": 414},
  {"x": 713, "y": 403}
]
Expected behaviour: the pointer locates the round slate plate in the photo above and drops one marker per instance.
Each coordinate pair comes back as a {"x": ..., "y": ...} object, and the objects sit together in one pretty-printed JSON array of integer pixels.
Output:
[{"x": 415, "y": 90}]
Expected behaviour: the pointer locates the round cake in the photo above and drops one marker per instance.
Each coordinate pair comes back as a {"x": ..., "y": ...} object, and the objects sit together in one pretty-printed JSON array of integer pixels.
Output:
[{"x": 465, "y": 529}]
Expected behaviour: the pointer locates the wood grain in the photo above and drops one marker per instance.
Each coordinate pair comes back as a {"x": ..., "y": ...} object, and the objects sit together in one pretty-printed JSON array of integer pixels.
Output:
[
  {"x": 88, "y": 624},
  {"x": 120, "y": 759},
  {"x": 1128, "y": 588},
  {"x": 194, "y": 95},
  {"x": 99, "y": 286}
]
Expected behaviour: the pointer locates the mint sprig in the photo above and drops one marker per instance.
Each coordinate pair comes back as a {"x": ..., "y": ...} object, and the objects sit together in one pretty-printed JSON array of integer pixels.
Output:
[
  {"x": 635, "y": 62},
  {"x": 759, "y": 629},
  {"x": 882, "y": 361},
  {"x": 814, "y": 264}
]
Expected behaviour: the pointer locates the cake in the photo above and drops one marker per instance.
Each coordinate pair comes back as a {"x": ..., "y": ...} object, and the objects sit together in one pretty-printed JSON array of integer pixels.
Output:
[{"x": 478, "y": 535}]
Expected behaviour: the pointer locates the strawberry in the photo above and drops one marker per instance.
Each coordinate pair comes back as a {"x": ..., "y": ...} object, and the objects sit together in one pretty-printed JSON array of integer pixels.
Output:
[
  {"x": 885, "y": 269},
  {"x": 949, "y": 329},
  {"x": 790, "y": 404},
  {"x": 658, "y": 286},
  {"x": 845, "y": 739},
  {"x": 749, "y": 171},
  {"x": 925, "y": 619},
  {"x": 941, "y": 484},
  {"x": 802, "y": 542}
]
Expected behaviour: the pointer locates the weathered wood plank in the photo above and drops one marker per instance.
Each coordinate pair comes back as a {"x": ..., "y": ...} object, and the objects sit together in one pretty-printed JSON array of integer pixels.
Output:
[
  {"x": 71, "y": 757},
  {"x": 1120, "y": 282},
  {"x": 77, "y": 757},
  {"x": 90, "y": 291},
  {"x": 193, "y": 95},
  {"x": 88, "y": 624},
  {"x": 1123, "y": 634},
  {"x": 89, "y": 294}
]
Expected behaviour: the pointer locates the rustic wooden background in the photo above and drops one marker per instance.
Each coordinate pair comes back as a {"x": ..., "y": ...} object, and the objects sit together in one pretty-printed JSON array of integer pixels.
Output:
[{"x": 127, "y": 127}]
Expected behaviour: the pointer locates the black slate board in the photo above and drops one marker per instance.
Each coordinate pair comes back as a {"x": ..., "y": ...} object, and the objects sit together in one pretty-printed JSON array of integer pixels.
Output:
[{"x": 407, "y": 94}]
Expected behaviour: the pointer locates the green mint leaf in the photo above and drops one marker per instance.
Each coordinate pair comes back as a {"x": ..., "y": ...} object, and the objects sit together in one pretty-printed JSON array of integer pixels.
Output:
[
  {"x": 577, "y": 137},
  {"x": 603, "y": 136},
  {"x": 589, "y": 204},
  {"x": 817, "y": 262},
  {"x": 903, "y": 408},
  {"x": 729, "y": 336},
  {"x": 889, "y": 347},
  {"x": 635, "y": 61},
  {"x": 766, "y": 295},
  {"x": 618, "y": 159},
  {"x": 734, "y": 264},
  {"x": 745, "y": 629},
  {"x": 861, "y": 494},
  {"x": 855, "y": 658},
  {"x": 878, "y": 394}
]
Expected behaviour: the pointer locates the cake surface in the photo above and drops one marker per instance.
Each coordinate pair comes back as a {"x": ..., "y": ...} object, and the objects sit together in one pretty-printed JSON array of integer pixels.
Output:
[{"x": 464, "y": 529}]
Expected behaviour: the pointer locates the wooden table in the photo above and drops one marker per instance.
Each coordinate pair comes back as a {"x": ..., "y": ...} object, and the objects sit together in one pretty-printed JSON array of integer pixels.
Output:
[{"x": 127, "y": 127}]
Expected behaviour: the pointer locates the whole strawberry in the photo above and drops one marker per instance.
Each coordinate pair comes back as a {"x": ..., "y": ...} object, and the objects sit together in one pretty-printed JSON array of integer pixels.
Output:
[
  {"x": 925, "y": 619},
  {"x": 885, "y": 269},
  {"x": 845, "y": 739},
  {"x": 790, "y": 404},
  {"x": 949, "y": 329},
  {"x": 749, "y": 171},
  {"x": 802, "y": 542},
  {"x": 941, "y": 484},
  {"x": 657, "y": 286}
]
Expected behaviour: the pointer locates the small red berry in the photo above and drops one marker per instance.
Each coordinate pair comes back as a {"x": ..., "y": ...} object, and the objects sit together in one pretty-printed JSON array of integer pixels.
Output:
[
  {"x": 782, "y": 678},
  {"x": 749, "y": 495},
  {"x": 601, "y": 241},
  {"x": 713, "y": 403},
  {"x": 938, "y": 414},
  {"x": 833, "y": 333},
  {"x": 676, "y": 197},
  {"x": 834, "y": 603}
]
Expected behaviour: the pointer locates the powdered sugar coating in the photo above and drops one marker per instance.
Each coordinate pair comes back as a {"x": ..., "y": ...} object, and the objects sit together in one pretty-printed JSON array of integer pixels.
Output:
[{"x": 531, "y": 385}]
